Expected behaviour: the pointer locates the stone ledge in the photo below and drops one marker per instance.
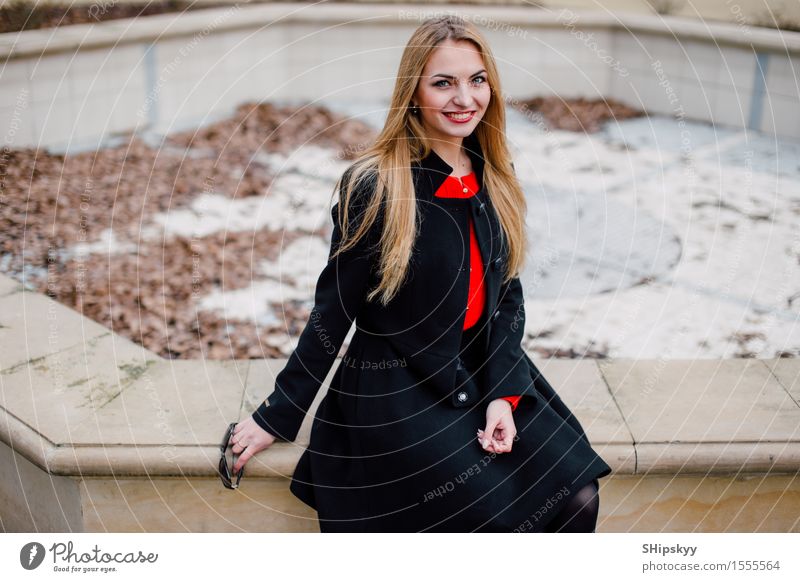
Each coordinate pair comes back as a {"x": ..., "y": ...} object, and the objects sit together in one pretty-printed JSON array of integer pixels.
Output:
[
  {"x": 95, "y": 404},
  {"x": 160, "y": 27}
]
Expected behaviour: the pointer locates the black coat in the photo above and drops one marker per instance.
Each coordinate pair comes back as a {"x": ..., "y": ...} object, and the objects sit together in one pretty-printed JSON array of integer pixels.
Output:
[{"x": 393, "y": 443}]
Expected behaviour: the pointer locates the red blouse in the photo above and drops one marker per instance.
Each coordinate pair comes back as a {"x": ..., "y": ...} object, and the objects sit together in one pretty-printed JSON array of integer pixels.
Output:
[{"x": 476, "y": 299}]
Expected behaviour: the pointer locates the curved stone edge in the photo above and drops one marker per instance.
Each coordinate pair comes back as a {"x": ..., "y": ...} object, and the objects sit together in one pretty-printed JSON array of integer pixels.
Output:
[
  {"x": 718, "y": 458},
  {"x": 135, "y": 461},
  {"x": 160, "y": 27},
  {"x": 182, "y": 461},
  {"x": 280, "y": 459}
]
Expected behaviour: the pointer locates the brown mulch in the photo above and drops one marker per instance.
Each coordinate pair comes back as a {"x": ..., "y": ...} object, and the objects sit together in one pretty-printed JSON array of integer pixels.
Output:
[
  {"x": 51, "y": 202},
  {"x": 149, "y": 296},
  {"x": 19, "y": 15},
  {"x": 282, "y": 129},
  {"x": 580, "y": 114}
]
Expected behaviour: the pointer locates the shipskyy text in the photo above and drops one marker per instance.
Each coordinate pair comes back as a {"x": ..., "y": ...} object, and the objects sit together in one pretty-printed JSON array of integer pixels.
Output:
[{"x": 664, "y": 550}]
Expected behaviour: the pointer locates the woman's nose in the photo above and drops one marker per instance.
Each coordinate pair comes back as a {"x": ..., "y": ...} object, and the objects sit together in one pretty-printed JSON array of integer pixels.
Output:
[
  {"x": 462, "y": 100},
  {"x": 463, "y": 97}
]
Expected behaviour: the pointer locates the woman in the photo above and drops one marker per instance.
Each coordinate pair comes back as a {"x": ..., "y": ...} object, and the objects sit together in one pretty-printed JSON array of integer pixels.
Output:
[{"x": 436, "y": 419}]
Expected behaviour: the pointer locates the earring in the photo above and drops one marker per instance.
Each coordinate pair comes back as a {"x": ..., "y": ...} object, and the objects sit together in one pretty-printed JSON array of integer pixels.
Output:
[{"x": 414, "y": 109}]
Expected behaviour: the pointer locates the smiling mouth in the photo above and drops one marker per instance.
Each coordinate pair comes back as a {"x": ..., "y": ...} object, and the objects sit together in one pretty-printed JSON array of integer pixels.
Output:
[{"x": 459, "y": 115}]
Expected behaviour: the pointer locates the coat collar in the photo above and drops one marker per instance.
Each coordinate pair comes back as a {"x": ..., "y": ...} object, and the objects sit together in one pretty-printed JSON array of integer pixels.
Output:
[{"x": 431, "y": 172}]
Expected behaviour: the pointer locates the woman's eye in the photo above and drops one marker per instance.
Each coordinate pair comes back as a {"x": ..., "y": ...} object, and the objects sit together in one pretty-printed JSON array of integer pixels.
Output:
[{"x": 479, "y": 80}]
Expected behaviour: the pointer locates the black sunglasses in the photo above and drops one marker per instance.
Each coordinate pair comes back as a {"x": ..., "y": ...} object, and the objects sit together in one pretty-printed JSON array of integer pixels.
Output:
[{"x": 225, "y": 468}]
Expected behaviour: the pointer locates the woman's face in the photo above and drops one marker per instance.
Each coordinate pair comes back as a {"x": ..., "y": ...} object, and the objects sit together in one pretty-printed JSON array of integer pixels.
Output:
[{"x": 453, "y": 82}]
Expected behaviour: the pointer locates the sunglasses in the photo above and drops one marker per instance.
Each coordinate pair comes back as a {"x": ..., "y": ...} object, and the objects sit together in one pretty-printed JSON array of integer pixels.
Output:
[{"x": 225, "y": 467}]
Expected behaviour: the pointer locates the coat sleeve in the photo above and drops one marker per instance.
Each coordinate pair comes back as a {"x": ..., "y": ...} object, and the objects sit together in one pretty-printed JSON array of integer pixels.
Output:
[
  {"x": 340, "y": 292},
  {"x": 507, "y": 371}
]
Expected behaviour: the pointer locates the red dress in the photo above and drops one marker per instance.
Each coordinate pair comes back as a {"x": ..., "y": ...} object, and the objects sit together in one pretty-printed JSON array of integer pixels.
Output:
[{"x": 451, "y": 188}]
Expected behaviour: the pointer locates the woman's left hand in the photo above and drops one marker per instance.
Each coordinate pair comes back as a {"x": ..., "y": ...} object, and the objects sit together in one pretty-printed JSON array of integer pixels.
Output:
[{"x": 500, "y": 429}]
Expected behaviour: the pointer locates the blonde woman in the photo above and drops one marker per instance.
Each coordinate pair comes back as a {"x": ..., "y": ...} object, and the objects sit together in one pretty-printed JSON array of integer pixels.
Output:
[{"x": 436, "y": 419}]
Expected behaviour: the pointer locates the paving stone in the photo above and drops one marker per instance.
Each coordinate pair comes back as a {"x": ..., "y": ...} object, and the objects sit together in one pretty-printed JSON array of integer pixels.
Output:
[
  {"x": 714, "y": 401},
  {"x": 176, "y": 403},
  {"x": 787, "y": 370},
  {"x": 33, "y": 326},
  {"x": 55, "y": 395},
  {"x": 581, "y": 386}
]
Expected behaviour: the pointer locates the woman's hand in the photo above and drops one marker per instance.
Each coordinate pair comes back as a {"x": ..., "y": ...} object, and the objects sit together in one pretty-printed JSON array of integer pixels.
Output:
[
  {"x": 500, "y": 429},
  {"x": 247, "y": 439}
]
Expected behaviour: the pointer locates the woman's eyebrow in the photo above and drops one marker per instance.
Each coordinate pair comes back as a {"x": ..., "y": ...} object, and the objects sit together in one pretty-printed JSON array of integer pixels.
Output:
[{"x": 453, "y": 76}]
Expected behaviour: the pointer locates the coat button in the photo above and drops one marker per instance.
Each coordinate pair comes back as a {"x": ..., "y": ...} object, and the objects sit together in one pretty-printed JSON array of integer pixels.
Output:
[
  {"x": 462, "y": 396},
  {"x": 480, "y": 208},
  {"x": 497, "y": 263},
  {"x": 496, "y": 314}
]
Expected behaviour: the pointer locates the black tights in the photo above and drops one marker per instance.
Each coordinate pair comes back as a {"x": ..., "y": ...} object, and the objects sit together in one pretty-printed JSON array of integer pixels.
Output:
[{"x": 580, "y": 512}]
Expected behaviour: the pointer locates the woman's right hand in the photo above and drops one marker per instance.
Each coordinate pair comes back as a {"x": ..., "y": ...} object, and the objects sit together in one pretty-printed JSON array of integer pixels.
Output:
[{"x": 247, "y": 439}]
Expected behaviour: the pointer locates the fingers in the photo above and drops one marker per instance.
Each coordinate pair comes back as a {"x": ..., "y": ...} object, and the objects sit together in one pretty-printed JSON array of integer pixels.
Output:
[
  {"x": 242, "y": 460},
  {"x": 504, "y": 445},
  {"x": 239, "y": 441},
  {"x": 247, "y": 439},
  {"x": 501, "y": 440},
  {"x": 488, "y": 443},
  {"x": 236, "y": 438},
  {"x": 242, "y": 445},
  {"x": 485, "y": 437}
]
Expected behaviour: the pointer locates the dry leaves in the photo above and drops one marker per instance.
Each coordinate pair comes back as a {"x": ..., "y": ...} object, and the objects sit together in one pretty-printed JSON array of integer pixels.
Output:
[
  {"x": 584, "y": 115},
  {"x": 52, "y": 202},
  {"x": 17, "y": 15}
]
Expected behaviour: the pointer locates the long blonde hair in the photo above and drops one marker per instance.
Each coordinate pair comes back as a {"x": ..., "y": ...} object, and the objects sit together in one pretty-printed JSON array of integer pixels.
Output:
[{"x": 387, "y": 163}]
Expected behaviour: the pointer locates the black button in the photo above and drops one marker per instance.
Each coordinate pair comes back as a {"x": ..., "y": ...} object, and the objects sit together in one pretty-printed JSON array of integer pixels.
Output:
[
  {"x": 497, "y": 263},
  {"x": 480, "y": 208},
  {"x": 496, "y": 314}
]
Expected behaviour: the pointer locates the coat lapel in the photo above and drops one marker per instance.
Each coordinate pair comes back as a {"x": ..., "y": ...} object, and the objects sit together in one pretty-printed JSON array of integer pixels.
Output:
[{"x": 431, "y": 172}]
